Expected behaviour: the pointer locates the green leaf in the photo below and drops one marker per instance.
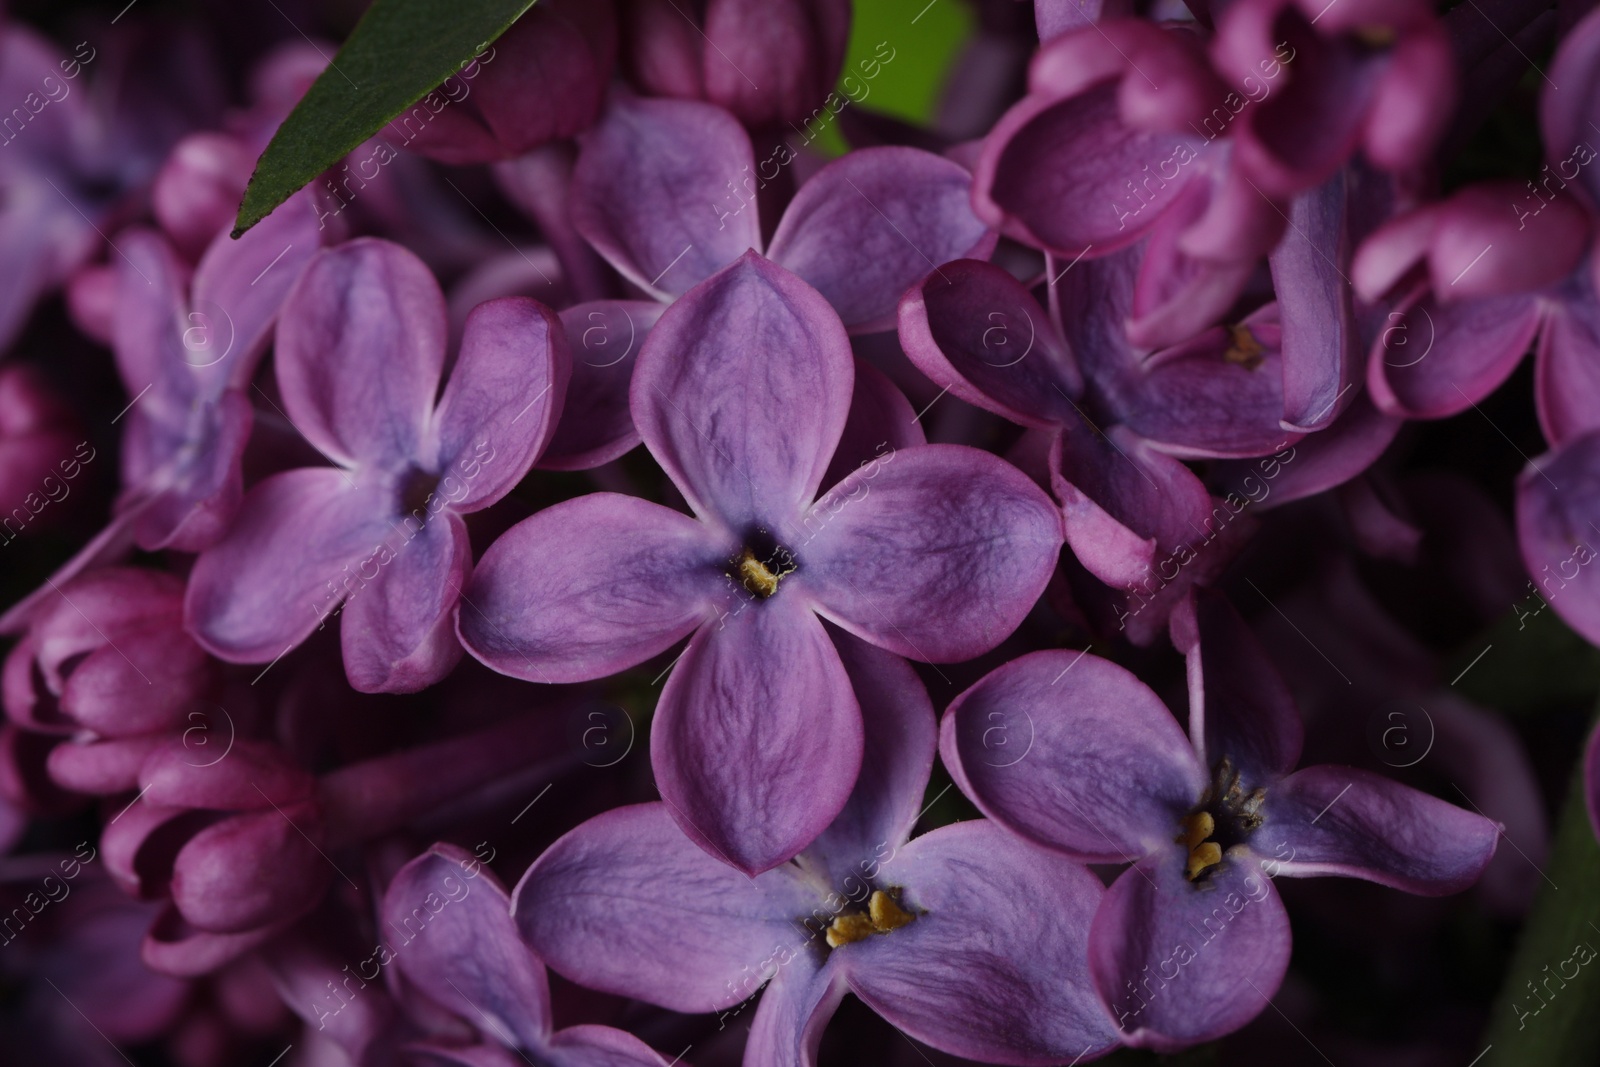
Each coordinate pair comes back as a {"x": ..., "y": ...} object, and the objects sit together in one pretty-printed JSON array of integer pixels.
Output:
[
  {"x": 1555, "y": 1020},
  {"x": 1529, "y": 662},
  {"x": 399, "y": 51}
]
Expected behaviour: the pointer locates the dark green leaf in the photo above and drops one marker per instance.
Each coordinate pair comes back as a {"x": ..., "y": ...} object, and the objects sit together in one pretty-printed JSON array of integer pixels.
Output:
[{"x": 398, "y": 52}]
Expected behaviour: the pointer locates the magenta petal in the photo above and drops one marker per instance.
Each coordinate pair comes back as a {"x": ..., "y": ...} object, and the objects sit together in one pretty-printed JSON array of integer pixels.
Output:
[
  {"x": 257, "y": 775},
  {"x": 591, "y": 586},
  {"x": 663, "y": 189},
  {"x": 398, "y": 633},
  {"x": 1239, "y": 705},
  {"x": 717, "y": 389},
  {"x": 1566, "y": 374},
  {"x": 866, "y": 227},
  {"x": 1321, "y": 349},
  {"x": 250, "y": 869},
  {"x": 797, "y": 45},
  {"x": 599, "y": 1046},
  {"x": 936, "y": 553},
  {"x": 626, "y": 904},
  {"x": 1435, "y": 360},
  {"x": 360, "y": 347},
  {"x": 1074, "y": 752},
  {"x": 503, "y": 400},
  {"x": 448, "y": 923},
  {"x": 901, "y": 733},
  {"x": 1566, "y": 117},
  {"x": 1179, "y": 963},
  {"x": 1316, "y": 462},
  {"x": 973, "y": 974},
  {"x": 794, "y": 1010},
  {"x": 757, "y": 738},
  {"x": 974, "y": 328},
  {"x": 285, "y": 565},
  {"x": 1340, "y": 820},
  {"x": 596, "y": 427},
  {"x": 1558, "y": 515}
]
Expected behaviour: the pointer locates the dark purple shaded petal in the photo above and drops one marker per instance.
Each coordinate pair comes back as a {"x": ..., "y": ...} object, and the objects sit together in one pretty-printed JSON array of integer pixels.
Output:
[
  {"x": 880, "y": 422},
  {"x": 189, "y": 503},
  {"x": 901, "y": 734},
  {"x": 1435, "y": 360},
  {"x": 796, "y": 46},
  {"x": 866, "y": 227},
  {"x": 1321, "y": 348},
  {"x": 936, "y": 553},
  {"x": 664, "y": 190},
  {"x": 720, "y": 382},
  {"x": 1316, "y": 462},
  {"x": 1179, "y": 963},
  {"x": 360, "y": 347},
  {"x": 286, "y": 563},
  {"x": 626, "y": 904},
  {"x": 1179, "y": 294},
  {"x": 1566, "y": 117},
  {"x": 149, "y": 331},
  {"x": 1340, "y": 820},
  {"x": 974, "y": 328},
  {"x": 1074, "y": 752},
  {"x": 596, "y": 427},
  {"x": 793, "y": 1012},
  {"x": 503, "y": 400},
  {"x": 1558, "y": 528},
  {"x": 600, "y": 1046},
  {"x": 995, "y": 965},
  {"x": 398, "y": 631},
  {"x": 1240, "y": 708},
  {"x": 591, "y": 586},
  {"x": 447, "y": 923},
  {"x": 757, "y": 738},
  {"x": 1477, "y": 252},
  {"x": 251, "y": 869},
  {"x": 1566, "y": 373}
]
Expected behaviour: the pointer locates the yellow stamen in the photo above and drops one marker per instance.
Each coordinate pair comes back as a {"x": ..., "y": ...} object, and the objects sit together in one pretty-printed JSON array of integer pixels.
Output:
[
  {"x": 848, "y": 928},
  {"x": 1202, "y": 859},
  {"x": 884, "y": 913},
  {"x": 1203, "y": 853},
  {"x": 755, "y": 575},
  {"x": 1196, "y": 828},
  {"x": 1243, "y": 348}
]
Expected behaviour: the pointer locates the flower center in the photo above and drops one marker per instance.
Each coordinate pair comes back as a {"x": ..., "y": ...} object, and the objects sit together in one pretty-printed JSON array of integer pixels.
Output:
[
  {"x": 1225, "y": 816},
  {"x": 761, "y": 564},
  {"x": 416, "y": 486},
  {"x": 883, "y": 914},
  {"x": 1243, "y": 348}
]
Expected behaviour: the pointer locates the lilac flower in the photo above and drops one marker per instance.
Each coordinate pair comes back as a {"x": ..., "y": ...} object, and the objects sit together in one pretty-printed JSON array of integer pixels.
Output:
[
  {"x": 447, "y": 930},
  {"x": 741, "y": 394},
  {"x": 380, "y": 536},
  {"x": 1191, "y": 940},
  {"x": 769, "y": 63},
  {"x": 41, "y": 452},
  {"x": 965, "y": 938},
  {"x": 667, "y": 191}
]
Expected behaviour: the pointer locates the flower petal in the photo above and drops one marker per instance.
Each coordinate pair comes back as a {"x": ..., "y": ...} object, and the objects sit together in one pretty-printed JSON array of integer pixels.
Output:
[
  {"x": 867, "y": 226},
  {"x": 1566, "y": 374},
  {"x": 591, "y": 586},
  {"x": 1179, "y": 963},
  {"x": 1340, "y": 820},
  {"x": 503, "y": 400},
  {"x": 1435, "y": 360},
  {"x": 995, "y": 965},
  {"x": 663, "y": 189},
  {"x": 1558, "y": 512},
  {"x": 880, "y": 421},
  {"x": 794, "y": 1010},
  {"x": 936, "y": 553},
  {"x": 600, "y": 1046},
  {"x": 713, "y": 383},
  {"x": 596, "y": 427},
  {"x": 626, "y": 904},
  {"x": 448, "y": 923},
  {"x": 285, "y": 564},
  {"x": 1074, "y": 752},
  {"x": 757, "y": 738},
  {"x": 360, "y": 347}
]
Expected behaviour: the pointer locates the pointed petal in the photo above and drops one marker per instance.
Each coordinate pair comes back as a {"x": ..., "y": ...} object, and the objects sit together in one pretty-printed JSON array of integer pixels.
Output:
[
  {"x": 626, "y": 904},
  {"x": 663, "y": 189},
  {"x": 974, "y": 974},
  {"x": 794, "y": 1010},
  {"x": 448, "y": 923},
  {"x": 360, "y": 347},
  {"x": 866, "y": 227},
  {"x": 715, "y": 378},
  {"x": 972, "y": 327},
  {"x": 503, "y": 400},
  {"x": 757, "y": 738},
  {"x": 596, "y": 427},
  {"x": 1179, "y": 963},
  {"x": 936, "y": 552},
  {"x": 591, "y": 586},
  {"x": 1074, "y": 752},
  {"x": 1340, "y": 820},
  {"x": 285, "y": 564}
]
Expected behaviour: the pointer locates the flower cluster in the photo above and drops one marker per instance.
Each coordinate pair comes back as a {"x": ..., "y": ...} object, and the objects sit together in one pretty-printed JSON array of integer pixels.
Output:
[{"x": 978, "y": 525}]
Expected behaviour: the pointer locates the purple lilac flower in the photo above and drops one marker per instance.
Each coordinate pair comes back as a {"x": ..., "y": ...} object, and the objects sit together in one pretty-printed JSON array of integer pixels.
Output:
[
  {"x": 934, "y": 552},
  {"x": 379, "y": 536},
  {"x": 1191, "y": 939},
  {"x": 965, "y": 938},
  {"x": 42, "y": 453},
  {"x": 447, "y": 929}
]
